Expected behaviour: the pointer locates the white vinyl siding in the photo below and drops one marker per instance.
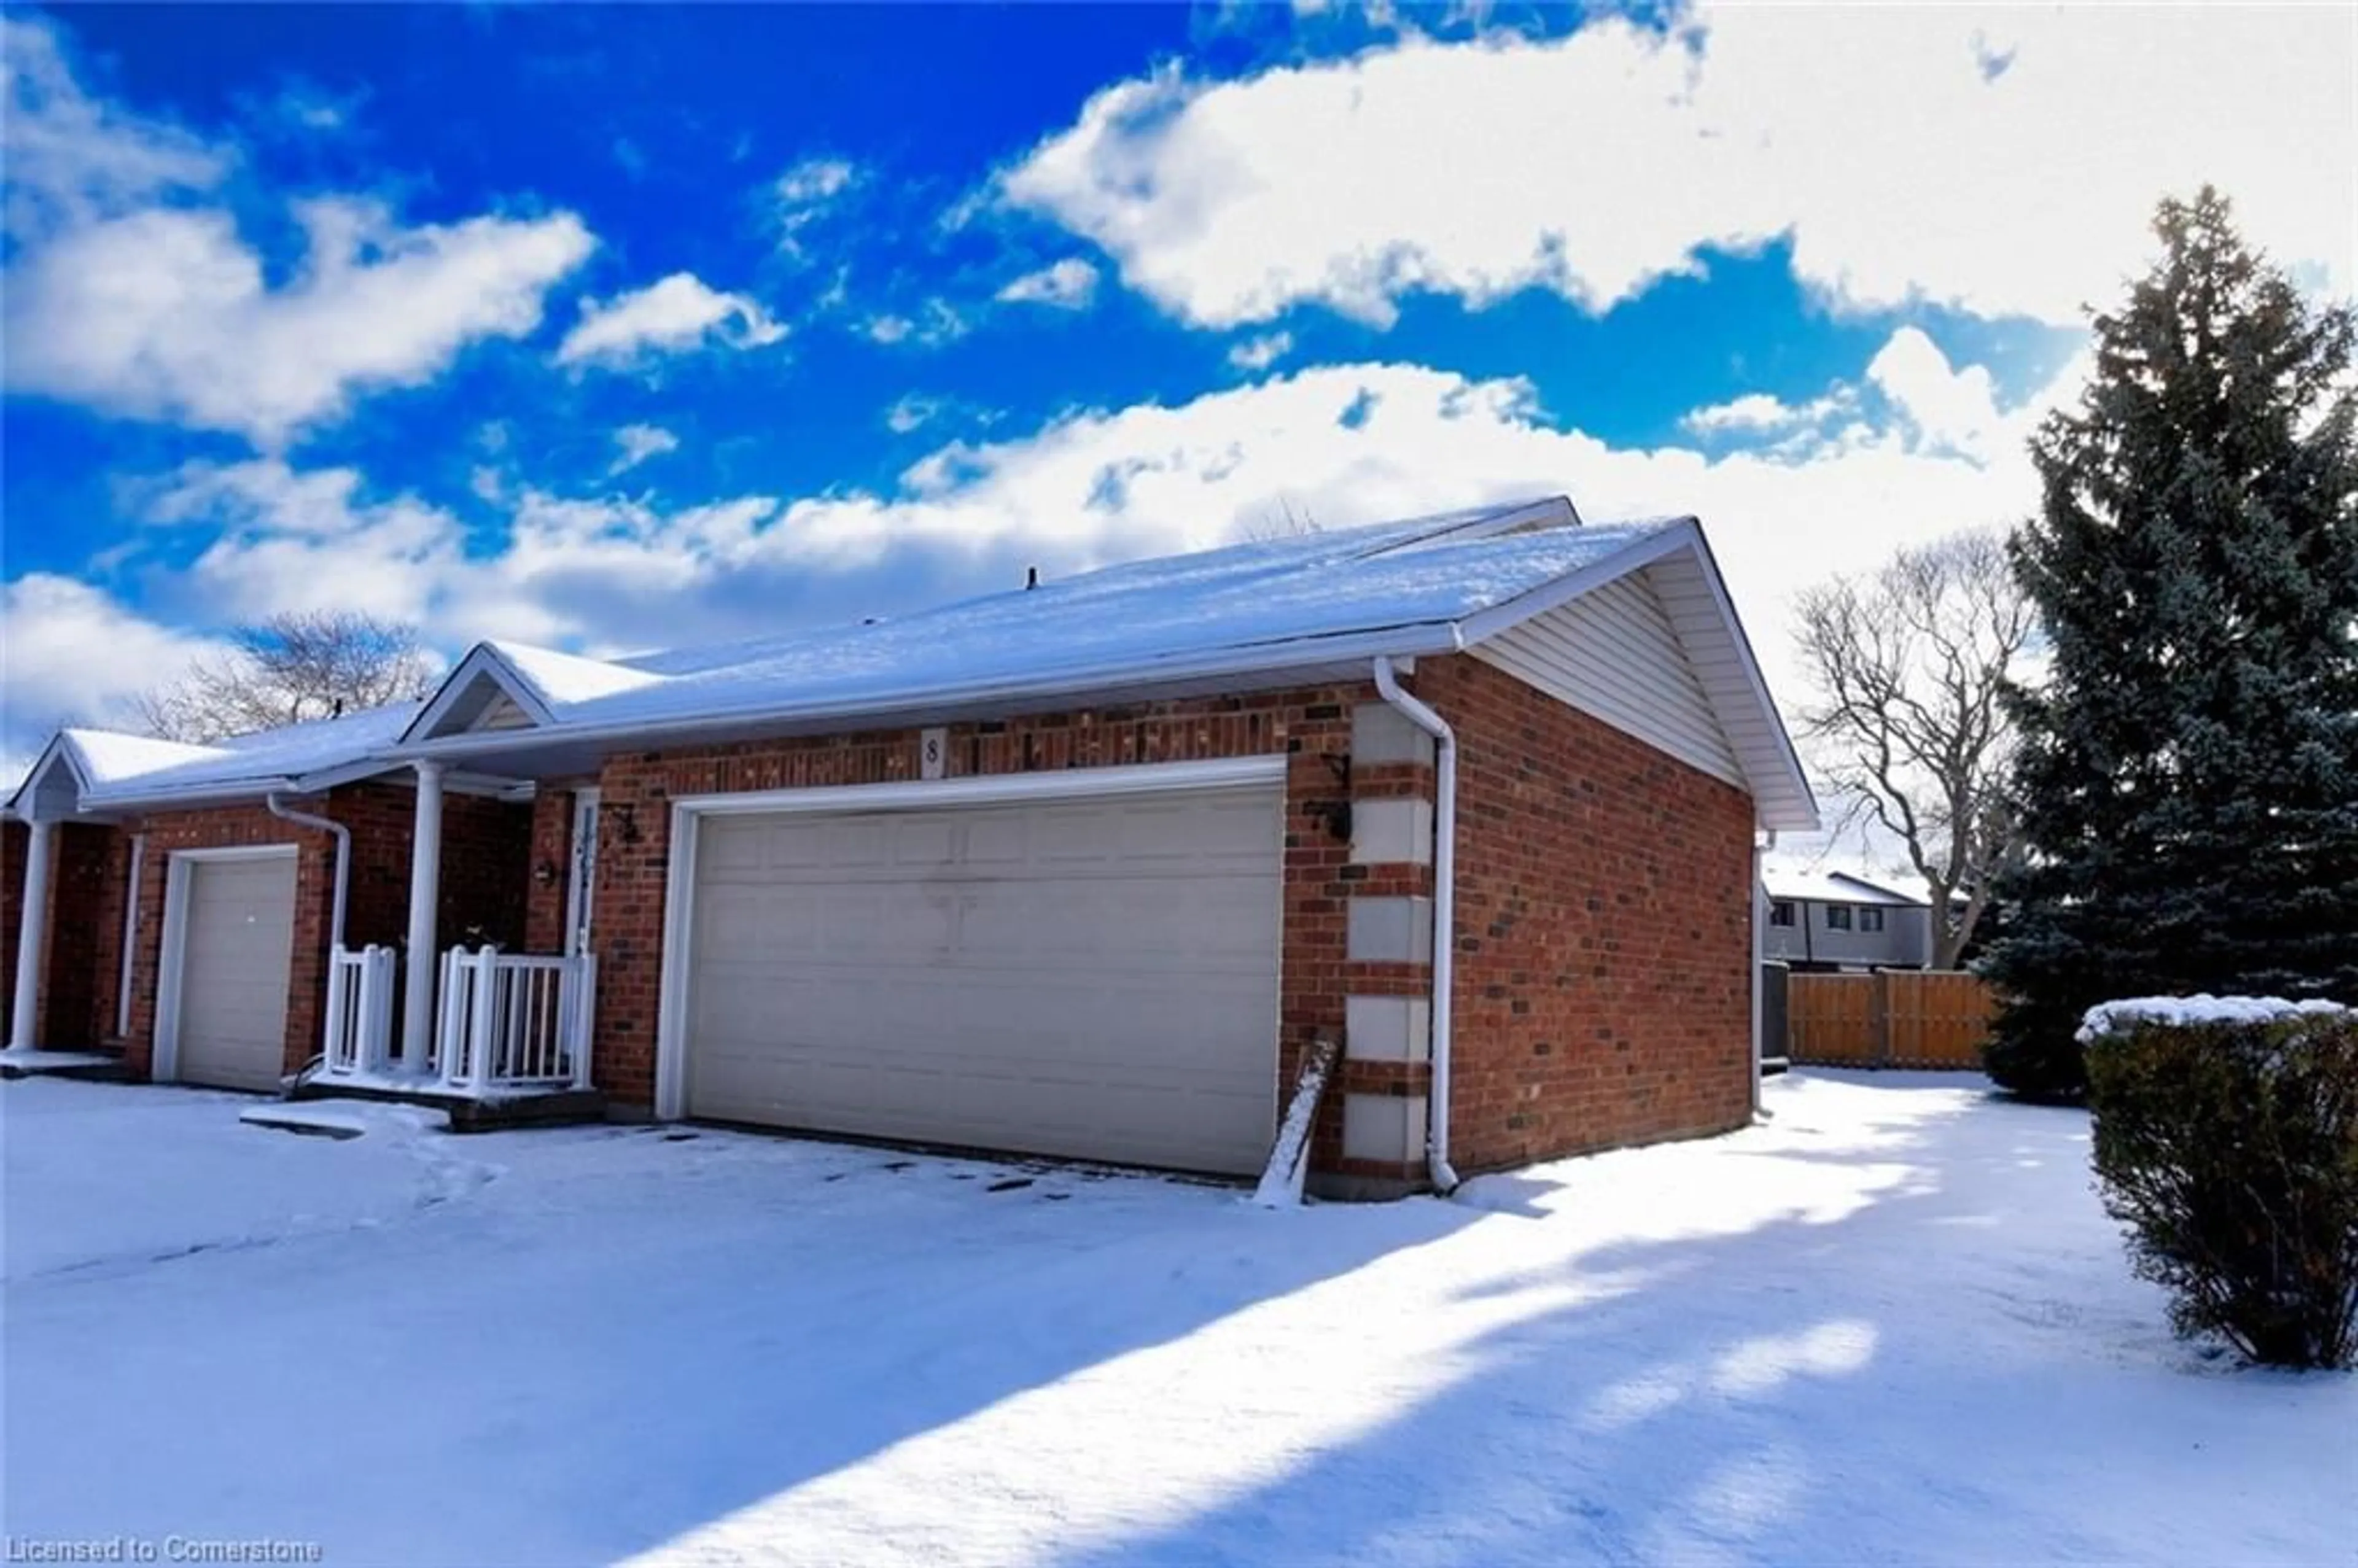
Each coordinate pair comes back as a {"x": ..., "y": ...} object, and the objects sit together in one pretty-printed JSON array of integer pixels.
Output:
[
  {"x": 1093, "y": 978},
  {"x": 1616, "y": 653}
]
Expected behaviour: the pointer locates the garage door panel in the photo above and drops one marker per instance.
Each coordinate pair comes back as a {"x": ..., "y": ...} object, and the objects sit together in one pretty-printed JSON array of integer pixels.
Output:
[
  {"x": 1090, "y": 978},
  {"x": 236, "y": 942}
]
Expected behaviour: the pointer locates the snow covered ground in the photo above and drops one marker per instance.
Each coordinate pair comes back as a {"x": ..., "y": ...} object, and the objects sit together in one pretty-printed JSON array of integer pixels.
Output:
[{"x": 1893, "y": 1326}]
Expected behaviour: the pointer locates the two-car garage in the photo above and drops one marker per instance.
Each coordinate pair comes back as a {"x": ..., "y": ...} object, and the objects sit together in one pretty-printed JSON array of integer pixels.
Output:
[{"x": 996, "y": 965}]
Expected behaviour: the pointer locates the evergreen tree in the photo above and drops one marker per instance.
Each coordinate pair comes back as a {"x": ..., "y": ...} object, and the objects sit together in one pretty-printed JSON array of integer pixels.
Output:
[{"x": 2187, "y": 782}]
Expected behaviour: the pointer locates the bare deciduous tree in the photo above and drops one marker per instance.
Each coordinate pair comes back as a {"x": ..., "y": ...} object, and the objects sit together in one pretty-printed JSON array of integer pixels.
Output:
[
  {"x": 1283, "y": 521},
  {"x": 1907, "y": 664},
  {"x": 288, "y": 669}
]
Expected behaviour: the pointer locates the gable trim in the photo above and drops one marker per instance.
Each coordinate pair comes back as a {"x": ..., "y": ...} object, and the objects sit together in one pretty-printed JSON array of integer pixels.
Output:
[
  {"x": 58, "y": 752},
  {"x": 482, "y": 663},
  {"x": 1746, "y": 715}
]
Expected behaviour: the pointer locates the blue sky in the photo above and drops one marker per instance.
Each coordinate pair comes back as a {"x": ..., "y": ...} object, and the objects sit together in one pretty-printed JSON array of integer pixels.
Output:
[{"x": 612, "y": 328}]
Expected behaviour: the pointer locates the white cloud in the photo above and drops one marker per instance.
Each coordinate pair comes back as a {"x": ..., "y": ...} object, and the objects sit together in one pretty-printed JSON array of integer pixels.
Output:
[
  {"x": 912, "y": 412},
  {"x": 1258, "y": 353},
  {"x": 934, "y": 323},
  {"x": 609, "y": 573},
  {"x": 677, "y": 313},
  {"x": 640, "y": 442},
  {"x": 806, "y": 193},
  {"x": 72, "y": 157},
  {"x": 1951, "y": 409},
  {"x": 122, "y": 297},
  {"x": 1759, "y": 413},
  {"x": 1903, "y": 160},
  {"x": 1069, "y": 284},
  {"x": 77, "y": 655},
  {"x": 166, "y": 315},
  {"x": 814, "y": 181}
]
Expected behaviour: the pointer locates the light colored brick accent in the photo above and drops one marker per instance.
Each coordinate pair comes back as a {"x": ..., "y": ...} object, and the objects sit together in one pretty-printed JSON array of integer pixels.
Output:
[
  {"x": 1389, "y": 931},
  {"x": 1380, "y": 734},
  {"x": 1394, "y": 832},
  {"x": 1389, "y": 1129},
  {"x": 1387, "y": 1028}
]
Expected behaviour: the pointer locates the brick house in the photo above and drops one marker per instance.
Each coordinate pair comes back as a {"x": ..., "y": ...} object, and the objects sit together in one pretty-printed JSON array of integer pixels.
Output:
[{"x": 1081, "y": 869}]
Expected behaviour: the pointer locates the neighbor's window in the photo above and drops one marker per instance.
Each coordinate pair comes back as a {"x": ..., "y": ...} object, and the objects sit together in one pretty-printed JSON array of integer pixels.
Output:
[
  {"x": 1870, "y": 920},
  {"x": 1837, "y": 917},
  {"x": 1781, "y": 913}
]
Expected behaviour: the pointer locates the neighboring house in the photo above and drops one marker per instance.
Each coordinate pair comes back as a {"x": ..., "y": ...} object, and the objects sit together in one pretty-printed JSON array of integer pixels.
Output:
[
  {"x": 1839, "y": 920},
  {"x": 1080, "y": 870}
]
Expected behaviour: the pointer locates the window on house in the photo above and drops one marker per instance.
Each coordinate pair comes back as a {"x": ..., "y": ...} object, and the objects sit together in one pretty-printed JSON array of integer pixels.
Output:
[
  {"x": 1781, "y": 913},
  {"x": 1837, "y": 917},
  {"x": 1870, "y": 920}
]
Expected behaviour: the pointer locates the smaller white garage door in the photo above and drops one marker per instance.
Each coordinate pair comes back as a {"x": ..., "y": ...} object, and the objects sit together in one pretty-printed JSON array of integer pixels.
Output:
[
  {"x": 1093, "y": 978},
  {"x": 237, "y": 939}
]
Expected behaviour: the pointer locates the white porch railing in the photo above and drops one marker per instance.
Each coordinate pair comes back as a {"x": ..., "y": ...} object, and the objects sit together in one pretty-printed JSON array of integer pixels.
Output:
[
  {"x": 513, "y": 1020},
  {"x": 359, "y": 1033}
]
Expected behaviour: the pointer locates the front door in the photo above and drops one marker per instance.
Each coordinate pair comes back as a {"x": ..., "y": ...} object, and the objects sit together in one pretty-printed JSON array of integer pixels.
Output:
[{"x": 581, "y": 887}]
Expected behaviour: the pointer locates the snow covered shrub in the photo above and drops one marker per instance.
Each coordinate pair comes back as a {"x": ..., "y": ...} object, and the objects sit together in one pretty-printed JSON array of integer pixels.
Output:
[{"x": 2226, "y": 1140}]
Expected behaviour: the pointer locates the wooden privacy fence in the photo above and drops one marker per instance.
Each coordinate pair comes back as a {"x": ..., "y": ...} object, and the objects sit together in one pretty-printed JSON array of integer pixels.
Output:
[{"x": 1893, "y": 1018}]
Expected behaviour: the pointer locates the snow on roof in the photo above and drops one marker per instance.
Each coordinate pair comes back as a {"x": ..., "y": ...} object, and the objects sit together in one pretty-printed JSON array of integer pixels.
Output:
[
  {"x": 106, "y": 756},
  {"x": 119, "y": 767},
  {"x": 1276, "y": 604},
  {"x": 1128, "y": 620},
  {"x": 560, "y": 678},
  {"x": 1816, "y": 884}
]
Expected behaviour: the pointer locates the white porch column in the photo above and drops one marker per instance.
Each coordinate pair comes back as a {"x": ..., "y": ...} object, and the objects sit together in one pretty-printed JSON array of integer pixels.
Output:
[
  {"x": 32, "y": 935},
  {"x": 425, "y": 897}
]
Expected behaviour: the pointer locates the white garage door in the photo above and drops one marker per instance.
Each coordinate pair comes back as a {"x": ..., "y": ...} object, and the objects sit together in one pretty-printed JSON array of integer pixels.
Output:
[
  {"x": 1096, "y": 979},
  {"x": 237, "y": 938}
]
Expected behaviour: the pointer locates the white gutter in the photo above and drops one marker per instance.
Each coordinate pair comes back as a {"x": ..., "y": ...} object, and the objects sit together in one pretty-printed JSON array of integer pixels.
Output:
[
  {"x": 344, "y": 858},
  {"x": 1403, "y": 641},
  {"x": 1444, "y": 914}
]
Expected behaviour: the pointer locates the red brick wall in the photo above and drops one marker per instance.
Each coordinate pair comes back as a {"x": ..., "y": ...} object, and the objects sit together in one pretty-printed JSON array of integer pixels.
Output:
[
  {"x": 75, "y": 1009},
  {"x": 638, "y": 791},
  {"x": 551, "y": 847},
  {"x": 1604, "y": 940},
  {"x": 15, "y": 837},
  {"x": 105, "y": 955},
  {"x": 226, "y": 826},
  {"x": 483, "y": 849},
  {"x": 1604, "y": 933},
  {"x": 486, "y": 871}
]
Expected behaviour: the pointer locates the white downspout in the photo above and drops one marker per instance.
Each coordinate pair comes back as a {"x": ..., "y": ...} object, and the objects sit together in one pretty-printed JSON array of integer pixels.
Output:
[
  {"x": 343, "y": 858},
  {"x": 1444, "y": 914},
  {"x": 1759, "y": 918},
  {"x": 130, "y": 938}
]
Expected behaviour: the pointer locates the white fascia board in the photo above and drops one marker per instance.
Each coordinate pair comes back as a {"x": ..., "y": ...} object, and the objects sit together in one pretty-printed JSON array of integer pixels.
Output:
[
  {"x": 1801, "y": 814},
  {"x": 982, "y": 789},
  {"x": 324, "y": 779},
  {"x": 1096, "y": 683},
  {"x": 484, "y": 661},
  {"x": 192, "y": 796}
]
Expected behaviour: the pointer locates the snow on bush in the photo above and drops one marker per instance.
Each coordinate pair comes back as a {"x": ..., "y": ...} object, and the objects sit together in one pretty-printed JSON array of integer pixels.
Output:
[
  {"x": 2227, "y": 1141},
  {"x": 2108, "y": 1017}
]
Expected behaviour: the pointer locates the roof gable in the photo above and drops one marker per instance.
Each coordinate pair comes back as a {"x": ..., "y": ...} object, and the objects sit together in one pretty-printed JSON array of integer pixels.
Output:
[
  {"x": 1622, "y": 687},
  {"x": 503, "y": 686}
]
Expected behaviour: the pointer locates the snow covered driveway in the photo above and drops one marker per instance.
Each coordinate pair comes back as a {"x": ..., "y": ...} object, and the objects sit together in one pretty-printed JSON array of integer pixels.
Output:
[{"x": 1892, "y": 1326}]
